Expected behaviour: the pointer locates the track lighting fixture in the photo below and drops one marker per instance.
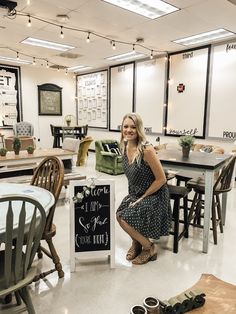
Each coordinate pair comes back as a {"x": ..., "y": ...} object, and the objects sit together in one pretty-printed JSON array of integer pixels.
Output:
[
  {"x": 62, "y": 34},
  {"x": 88, "y": 38},
  {"x": 29, "y": 22}
]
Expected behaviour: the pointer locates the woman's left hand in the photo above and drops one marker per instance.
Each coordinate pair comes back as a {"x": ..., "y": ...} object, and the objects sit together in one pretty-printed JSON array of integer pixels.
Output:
[{"x": 132, "y": 204}]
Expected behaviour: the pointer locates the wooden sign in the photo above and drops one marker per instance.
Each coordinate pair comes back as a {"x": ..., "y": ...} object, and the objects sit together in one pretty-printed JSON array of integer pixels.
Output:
[{"x": 92, "y": 219}]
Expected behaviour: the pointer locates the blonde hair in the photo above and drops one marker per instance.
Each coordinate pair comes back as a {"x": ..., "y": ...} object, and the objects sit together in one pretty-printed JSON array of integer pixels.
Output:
[{"x": 141, "y": 138}]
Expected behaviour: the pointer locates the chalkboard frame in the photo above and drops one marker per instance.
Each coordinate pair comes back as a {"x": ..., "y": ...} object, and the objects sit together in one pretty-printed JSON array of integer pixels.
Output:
[
  {"x": 133, "y": 94},
  {"x": 91, "y": 253},
  {"x": 208, "y": 47}
]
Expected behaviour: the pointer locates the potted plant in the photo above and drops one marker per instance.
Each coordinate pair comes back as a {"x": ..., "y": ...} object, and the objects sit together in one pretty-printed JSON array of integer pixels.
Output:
[
  {"x": 68, "y": 120},
  {"x": 16, "y": 145},
  {"x": 3, "y": 151},
  {"x": 30, "y": 149},
  {"x": 186, "y": 142}
]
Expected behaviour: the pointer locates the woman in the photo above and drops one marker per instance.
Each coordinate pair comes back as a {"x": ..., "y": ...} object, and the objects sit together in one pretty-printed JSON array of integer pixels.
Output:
[{"x": 145, "y": 212}]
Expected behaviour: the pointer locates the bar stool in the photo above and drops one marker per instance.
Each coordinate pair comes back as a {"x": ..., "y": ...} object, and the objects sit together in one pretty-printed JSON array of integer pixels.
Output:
[{"x": 176, "y": 194}]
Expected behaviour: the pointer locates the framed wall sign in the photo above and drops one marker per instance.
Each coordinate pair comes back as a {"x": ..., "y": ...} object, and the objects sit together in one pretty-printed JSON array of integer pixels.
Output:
[
  {"x": 187, "y": 90},
  {"x": 91, "y": 92},
  {"x": 121, "y": 93},
  {"x": 223, "y": 93},
  {"x": 150, "y": 93},
  {"x": 10, "y": 96},
  {"x": 49, "y": 100}
]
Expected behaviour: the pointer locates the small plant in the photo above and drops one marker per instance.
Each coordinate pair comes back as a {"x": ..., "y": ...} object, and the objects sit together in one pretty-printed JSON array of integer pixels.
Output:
[
  {"x": 16, "y": 145},
  {"x": 3, "y": 151},
  {"x": 30, "y": 149},
  {"x": 68, "y": 120},
  {"x": 186, "y": 141}
]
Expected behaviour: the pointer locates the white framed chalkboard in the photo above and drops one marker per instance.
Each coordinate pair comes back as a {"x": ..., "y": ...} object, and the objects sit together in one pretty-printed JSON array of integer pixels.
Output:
[
  {"x": 150, "y": 93},
  {"x": 92, "y": 220},
  {"x": 222, "y": 122},
  {"x": 121, "y": 93},
  {"x": 188, "y": 74},
  {"x": 92, "y": 100}
]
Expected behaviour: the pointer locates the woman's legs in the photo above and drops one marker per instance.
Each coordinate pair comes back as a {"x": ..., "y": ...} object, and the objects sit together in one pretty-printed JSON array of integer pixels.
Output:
[
  {"x": 149, "y": 251},
  {"x": 134, "y": 234}
]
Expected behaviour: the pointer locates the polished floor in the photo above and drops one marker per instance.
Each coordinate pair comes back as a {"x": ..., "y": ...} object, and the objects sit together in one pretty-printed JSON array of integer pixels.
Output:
[{"x": 95, "y": 288}]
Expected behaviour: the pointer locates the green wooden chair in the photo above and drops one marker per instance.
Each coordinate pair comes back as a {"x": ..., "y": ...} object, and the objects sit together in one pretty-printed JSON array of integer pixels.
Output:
[{"x": 21, "y": 238}]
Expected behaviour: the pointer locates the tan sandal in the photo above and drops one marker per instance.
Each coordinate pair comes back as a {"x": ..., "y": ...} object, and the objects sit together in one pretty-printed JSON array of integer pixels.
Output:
[
  {"x": 146, "y": 255},
  {"x": 134, "y": 251}
]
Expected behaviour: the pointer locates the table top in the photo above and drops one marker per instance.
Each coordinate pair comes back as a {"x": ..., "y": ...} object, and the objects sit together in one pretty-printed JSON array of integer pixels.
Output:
[
  {"x": 38, "y": 153},
  {"x": 44, "y": 197},
  {"x": 196, "y": 159}
]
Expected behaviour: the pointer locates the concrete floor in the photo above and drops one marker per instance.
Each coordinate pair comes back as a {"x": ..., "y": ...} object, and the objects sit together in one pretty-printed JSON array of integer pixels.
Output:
[{"x": 96, "y": 289}]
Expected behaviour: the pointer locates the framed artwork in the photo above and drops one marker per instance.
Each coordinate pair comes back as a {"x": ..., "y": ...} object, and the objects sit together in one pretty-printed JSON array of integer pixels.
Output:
[
  {"x": 10, "y": 96},
  {"x": 49, "y": 100}
]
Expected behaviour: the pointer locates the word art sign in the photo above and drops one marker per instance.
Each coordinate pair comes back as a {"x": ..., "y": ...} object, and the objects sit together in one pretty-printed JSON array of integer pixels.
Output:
[{"x": 92, "y": 219}]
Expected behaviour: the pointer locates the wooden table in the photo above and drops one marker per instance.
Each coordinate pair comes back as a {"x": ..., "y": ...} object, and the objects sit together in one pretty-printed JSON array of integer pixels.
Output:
[
  {"x": 24, "y": 161},
  {"x": 202, "y": 163}
]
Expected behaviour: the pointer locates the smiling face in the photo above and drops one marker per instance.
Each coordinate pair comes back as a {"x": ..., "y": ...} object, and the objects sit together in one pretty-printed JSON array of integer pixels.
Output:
[{"x": 129, "y": 130}]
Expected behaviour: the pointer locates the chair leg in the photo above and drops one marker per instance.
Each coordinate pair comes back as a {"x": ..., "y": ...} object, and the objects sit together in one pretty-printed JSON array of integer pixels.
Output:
[
  {"x": 219, "y": 213},
  {"x": 40, "y": 254},
  {"x": 18, "y": 298},
  {"x": 192, "y": 208},
  {"x": 176, "y": 225},
  {"x": 214, "y": 224},
  {"x": 186, "y": 224},
  {"x": 55, "y": 258},
  {"x": 24, "y": 293}
]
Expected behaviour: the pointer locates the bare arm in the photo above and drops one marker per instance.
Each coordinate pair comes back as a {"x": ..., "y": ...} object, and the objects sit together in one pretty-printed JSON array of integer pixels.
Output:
[{"x": 151, "y": 158}]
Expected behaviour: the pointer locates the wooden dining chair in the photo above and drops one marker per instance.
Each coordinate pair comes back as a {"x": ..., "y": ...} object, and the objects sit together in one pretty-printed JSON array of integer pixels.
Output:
[
  {"x": 50, "y": 175},
  {"x": 222, "y": 185},
  {"x": 23, "y": 232}
]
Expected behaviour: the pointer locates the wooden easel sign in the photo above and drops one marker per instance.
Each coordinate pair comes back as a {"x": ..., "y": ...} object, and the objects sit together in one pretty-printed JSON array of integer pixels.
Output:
[{"x": 92, "y": 221}]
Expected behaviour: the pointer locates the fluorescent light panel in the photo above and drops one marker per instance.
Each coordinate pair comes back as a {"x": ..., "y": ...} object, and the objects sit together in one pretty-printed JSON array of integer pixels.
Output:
[
  {"x": 148, "y": 8},
  {"x": 205, "y": 37},
  {"x": 2, "y": 58},
  {"x": 46, "y": 44},
  {"x": 126, "y": 56},
  {"x": 79, "y": 68}
]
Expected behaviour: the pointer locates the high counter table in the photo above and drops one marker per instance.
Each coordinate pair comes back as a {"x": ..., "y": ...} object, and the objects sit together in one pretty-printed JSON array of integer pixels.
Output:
[{"x": 201, "y": 163}]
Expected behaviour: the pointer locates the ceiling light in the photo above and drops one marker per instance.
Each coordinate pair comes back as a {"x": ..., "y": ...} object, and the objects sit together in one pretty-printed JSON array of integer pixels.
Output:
[
  {"x": 79, "y": 68},
  {"x": 205, "y": 37},
  {"x": 149, "y": 8},
  {"x": 126, "y": 56},
  {"x": 46, "y": 44},
  {"x": 2, "y": 58}
]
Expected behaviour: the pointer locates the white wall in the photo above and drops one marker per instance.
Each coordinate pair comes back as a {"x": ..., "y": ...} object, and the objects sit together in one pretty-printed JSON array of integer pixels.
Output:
[
  {"x": 33, "y": 76},
  {"x": 30, "y": 78}
]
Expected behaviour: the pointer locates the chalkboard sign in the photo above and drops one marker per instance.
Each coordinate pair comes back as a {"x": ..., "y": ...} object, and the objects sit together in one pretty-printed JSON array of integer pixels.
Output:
[{"x": 92, "y": 220}]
